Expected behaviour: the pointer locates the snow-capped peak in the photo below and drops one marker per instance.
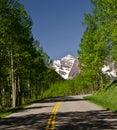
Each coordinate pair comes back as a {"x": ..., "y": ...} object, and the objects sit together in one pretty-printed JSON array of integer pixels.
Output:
[
  {"x": 67, "y": 67},
  {"x": 68, "y": 57}
]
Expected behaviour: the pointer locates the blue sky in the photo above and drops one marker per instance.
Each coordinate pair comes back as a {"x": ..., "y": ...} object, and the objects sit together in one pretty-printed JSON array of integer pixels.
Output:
[{"x": 57, "y": 24}]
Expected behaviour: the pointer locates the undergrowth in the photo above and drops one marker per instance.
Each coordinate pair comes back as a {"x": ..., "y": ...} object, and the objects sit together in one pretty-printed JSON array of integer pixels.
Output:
[{"x": 106, "y": 97}]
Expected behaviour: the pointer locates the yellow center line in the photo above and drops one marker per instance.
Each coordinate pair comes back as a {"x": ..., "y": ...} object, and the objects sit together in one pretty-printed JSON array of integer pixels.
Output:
[{"x": 51, "y": 120}]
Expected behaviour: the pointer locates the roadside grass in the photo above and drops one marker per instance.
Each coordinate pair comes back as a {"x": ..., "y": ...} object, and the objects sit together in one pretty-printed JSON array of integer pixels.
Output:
[
  {"x": 65, "y": 88},
  {"x": 107, "y": 97},
  {"x": 9, "y": 111},
  {"x": 6, "y": 112},
  {"x": 3, "y": 114}
]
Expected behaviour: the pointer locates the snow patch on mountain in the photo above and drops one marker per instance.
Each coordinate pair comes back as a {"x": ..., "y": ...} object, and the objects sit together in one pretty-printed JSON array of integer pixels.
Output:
[
  {"x": 110, "y": 70},
  {"x": 67, "y": 66}
]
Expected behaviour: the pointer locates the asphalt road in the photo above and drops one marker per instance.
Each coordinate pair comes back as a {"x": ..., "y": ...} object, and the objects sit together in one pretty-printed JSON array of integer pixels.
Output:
[{"x": 63, "y": 113}]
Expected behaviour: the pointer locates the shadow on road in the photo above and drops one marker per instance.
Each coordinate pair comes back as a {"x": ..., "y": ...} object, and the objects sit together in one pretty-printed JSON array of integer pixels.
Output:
[
  {"x": 90, "y": 120},
  {"x": 62, "y": 99},
  {"x": 33, "y": 107},
  {"x": 28, "y": 122}
]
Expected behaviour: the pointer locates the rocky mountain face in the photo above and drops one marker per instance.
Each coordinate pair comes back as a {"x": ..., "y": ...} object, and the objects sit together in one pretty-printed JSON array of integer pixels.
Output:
[
  {"x": 67, "y": 67},
  {"x": 110, "y": 70}
]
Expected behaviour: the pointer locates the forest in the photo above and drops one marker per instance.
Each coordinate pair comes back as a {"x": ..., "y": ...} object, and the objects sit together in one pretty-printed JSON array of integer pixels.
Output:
[{"x": 24, "y": 72}]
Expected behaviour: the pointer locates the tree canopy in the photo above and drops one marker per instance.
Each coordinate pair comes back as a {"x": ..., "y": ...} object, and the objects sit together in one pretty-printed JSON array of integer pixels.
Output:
[
  {"x": 23, "y": 62},
  {"x": 98, "y": 43}
]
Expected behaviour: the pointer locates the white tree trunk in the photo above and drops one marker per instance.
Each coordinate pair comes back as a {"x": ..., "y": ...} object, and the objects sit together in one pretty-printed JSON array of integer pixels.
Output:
[{"x": 13, "y": 83}]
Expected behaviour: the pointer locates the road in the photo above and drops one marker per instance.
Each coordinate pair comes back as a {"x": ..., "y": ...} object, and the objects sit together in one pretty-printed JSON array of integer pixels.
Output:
[{"x": 63, "y": 113}]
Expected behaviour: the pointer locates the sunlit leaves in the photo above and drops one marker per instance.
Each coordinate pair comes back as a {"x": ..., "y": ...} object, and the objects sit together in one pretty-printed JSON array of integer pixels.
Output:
[{"x": 98, "y": 43}]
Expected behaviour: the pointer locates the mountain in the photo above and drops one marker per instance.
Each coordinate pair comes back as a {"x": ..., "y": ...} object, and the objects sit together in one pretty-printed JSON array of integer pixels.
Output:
[
  {"x": 66, "y": 67},
  {"x": 110, "y": 70}
]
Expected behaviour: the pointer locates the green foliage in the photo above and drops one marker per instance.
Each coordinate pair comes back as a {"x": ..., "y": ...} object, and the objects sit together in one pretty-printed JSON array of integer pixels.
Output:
[
  {"x": 51, "y": 76},
  {"x": 24, "y": 75},
  {"x": 23, "y": 63},
  {"x": 98, "y": 43},
  {"x": 5, "y": 112},
  {"x": 68, "y": 87},
  {"x": 106, "y": 97}
]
